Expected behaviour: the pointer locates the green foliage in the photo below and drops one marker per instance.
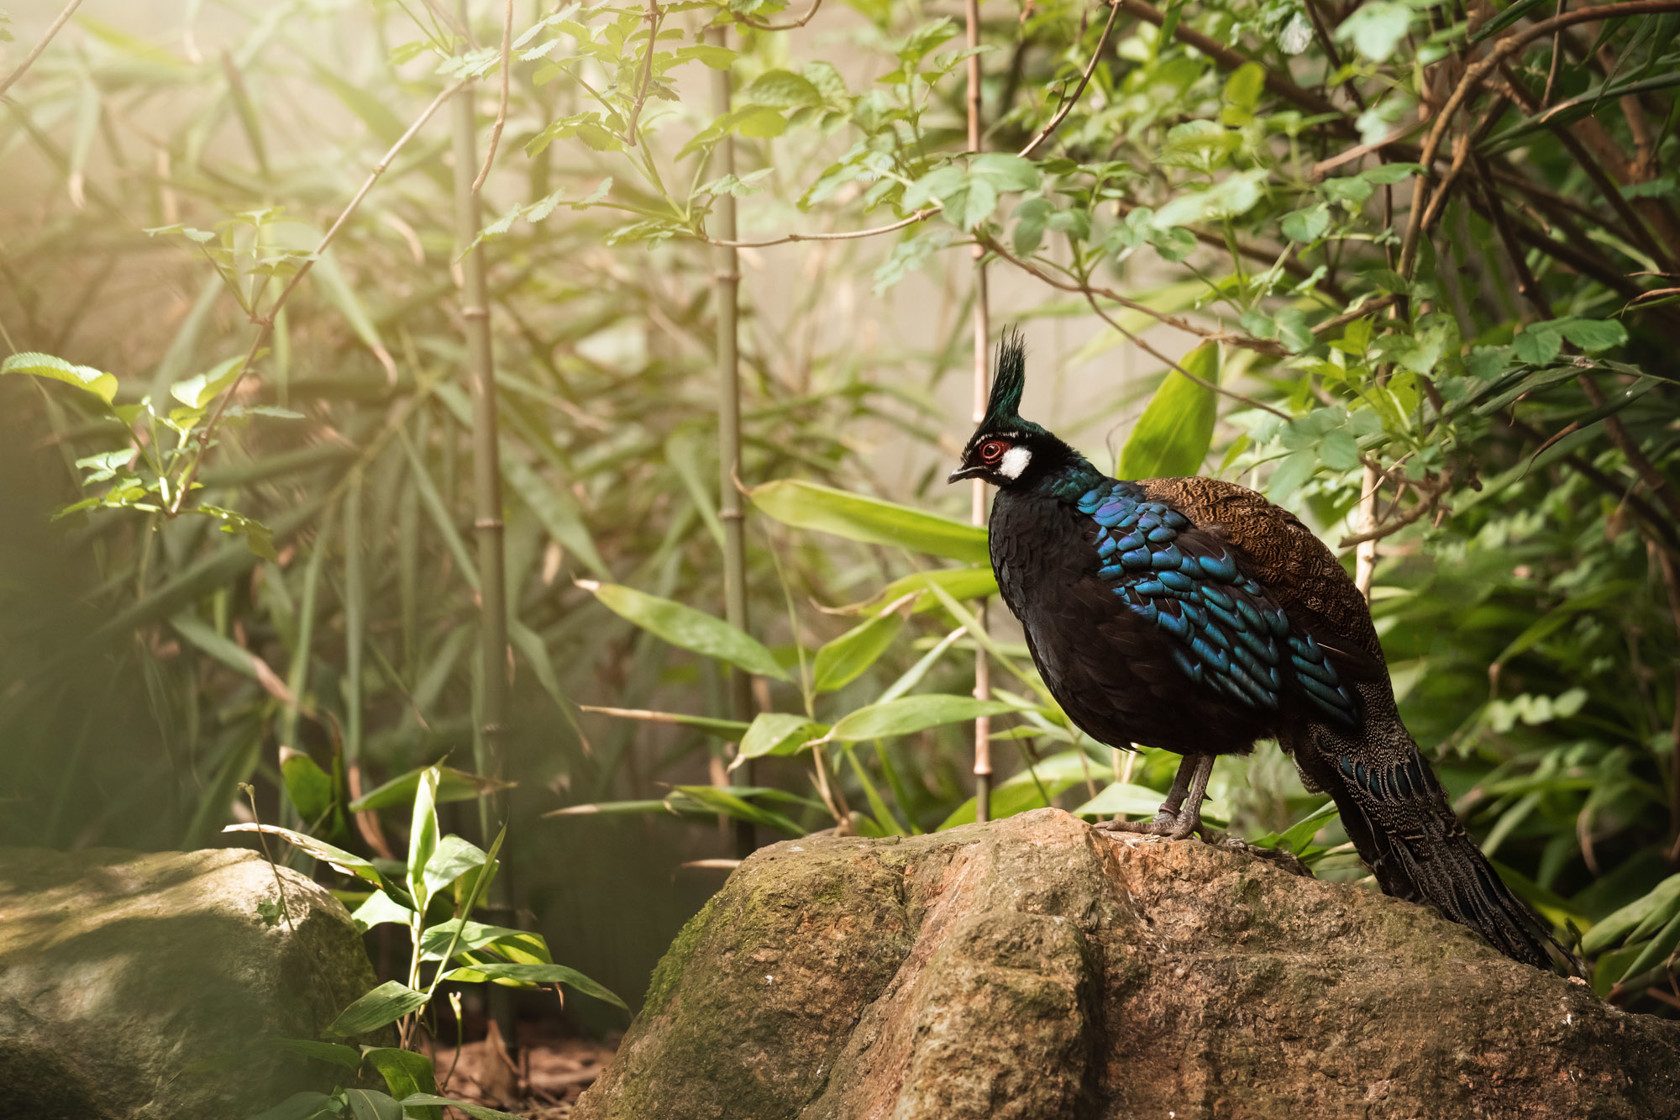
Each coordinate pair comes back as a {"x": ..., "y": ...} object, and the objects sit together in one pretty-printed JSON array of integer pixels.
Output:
[
  {"x": 1467, "y": 358},
  {"x": 458, "y": 949}
]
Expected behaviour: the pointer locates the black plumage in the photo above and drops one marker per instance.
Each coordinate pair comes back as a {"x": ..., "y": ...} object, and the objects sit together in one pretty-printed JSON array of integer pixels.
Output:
[{"x": 1193, "y": 615}]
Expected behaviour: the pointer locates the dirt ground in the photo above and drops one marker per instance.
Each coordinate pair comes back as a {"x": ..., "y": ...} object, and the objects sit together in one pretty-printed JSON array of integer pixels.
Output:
[{"x": 549, "y": 1074}]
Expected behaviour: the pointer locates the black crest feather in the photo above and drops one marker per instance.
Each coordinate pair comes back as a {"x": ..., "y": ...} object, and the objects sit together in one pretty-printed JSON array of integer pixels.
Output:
[{"x": 1009, "y": 381}]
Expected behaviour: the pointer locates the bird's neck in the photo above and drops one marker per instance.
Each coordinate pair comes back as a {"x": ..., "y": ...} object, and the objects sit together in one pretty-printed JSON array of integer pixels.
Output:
[{"x": 1067, "y": 477}]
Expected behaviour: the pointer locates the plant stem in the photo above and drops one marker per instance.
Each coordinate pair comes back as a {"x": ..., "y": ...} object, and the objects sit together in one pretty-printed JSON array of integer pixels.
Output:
[
  {"x": 726, "y": 282},
  {"x": 982, "y": 334},
  {"x": 487, "y": 510}
]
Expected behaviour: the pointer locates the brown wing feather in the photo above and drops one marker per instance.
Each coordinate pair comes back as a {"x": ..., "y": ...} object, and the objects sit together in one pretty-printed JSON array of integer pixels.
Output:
[{"x": 1274, "y": 546}]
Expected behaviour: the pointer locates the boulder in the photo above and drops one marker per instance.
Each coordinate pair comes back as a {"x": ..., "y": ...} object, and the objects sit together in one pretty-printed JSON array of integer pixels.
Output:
[
  {"x": 1034, "y": 969},
  {"x": 147, "y": 985}
]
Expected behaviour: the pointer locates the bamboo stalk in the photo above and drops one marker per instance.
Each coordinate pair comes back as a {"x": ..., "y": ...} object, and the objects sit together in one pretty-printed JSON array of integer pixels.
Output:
[
  {"x": 487, "y": 512},
  {"x": 726, "y": 284},
  {"x": 977, "y": 506}
]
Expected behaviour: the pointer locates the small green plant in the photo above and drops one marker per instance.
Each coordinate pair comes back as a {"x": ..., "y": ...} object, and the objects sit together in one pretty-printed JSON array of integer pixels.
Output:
[{"x": 443, "y": 874}]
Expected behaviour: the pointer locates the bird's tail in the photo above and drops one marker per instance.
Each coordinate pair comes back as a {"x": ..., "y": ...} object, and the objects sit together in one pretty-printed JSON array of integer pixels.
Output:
[{"x": 1399, "y": 819}]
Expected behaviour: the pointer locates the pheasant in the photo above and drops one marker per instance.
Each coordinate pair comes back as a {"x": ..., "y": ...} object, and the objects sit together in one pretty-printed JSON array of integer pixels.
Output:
[{"x": 1193, "y": 615}]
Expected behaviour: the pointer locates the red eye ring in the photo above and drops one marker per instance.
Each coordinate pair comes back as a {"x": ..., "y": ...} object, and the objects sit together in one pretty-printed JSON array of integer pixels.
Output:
[{"x": 992, "y": 450}]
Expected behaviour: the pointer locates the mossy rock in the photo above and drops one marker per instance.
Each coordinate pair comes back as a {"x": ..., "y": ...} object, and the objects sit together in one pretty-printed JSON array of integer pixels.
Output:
[
  {"x": 1034, "y": 969},
  {"x": 150, "y": 985}
]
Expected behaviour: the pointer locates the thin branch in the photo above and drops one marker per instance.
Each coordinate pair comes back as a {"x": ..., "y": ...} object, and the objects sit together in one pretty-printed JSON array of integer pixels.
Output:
[
  {"x": 1557, "y": 57},
  {"x": 265, "y": 324},
  {"x": 1080, "y": 287},
  {"x": 1479, "y": 71},
  {"x": 653, "y": 17},
  {"x": 757, "y": 25},
  {"x": 849, "y": 235},
  {"x": 502, "y": 107},
  {"x": 1079, "y": 90},
  {"x": 35, "y": 51},
  {"x": 1091, "y": 298}
]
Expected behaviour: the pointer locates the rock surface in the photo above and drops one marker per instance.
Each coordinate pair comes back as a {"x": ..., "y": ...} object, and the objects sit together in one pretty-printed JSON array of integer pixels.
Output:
[
  {"x": 1035, "y": 969},
  {"x": 143, "y": 986}
]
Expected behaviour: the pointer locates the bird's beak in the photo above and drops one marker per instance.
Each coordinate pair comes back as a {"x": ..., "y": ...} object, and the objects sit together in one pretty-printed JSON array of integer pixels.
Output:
[{"x": 963, "y": 472}]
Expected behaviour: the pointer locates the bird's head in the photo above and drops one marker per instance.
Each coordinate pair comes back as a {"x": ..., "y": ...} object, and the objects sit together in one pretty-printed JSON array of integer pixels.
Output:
[{"x": 1006, "y": 450}]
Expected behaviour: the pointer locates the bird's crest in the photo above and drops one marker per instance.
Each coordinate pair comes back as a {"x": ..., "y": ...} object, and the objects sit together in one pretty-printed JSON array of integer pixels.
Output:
[{"x": 1009, "y": 382}]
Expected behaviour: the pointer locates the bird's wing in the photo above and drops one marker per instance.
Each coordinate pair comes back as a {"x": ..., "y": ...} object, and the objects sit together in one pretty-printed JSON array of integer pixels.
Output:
[
  {"x": 1229, "y": 632},
  {"x": 1296, "y": 569}
]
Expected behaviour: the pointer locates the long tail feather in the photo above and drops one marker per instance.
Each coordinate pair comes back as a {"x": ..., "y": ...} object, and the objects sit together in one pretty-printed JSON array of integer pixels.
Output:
[{"x": 1400, "y": 821}]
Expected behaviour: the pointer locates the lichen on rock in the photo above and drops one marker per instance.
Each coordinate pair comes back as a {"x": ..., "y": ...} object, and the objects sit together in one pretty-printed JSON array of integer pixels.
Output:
[{"x": 1034, "y": 969}]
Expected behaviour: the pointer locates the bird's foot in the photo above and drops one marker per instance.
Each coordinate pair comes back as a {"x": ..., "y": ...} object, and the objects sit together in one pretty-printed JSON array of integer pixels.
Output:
[{"x": 1171, "y": 826}]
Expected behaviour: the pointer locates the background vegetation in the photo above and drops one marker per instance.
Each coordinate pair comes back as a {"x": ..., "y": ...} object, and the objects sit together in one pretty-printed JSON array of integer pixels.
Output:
[{"x": 1409, "y": 268}]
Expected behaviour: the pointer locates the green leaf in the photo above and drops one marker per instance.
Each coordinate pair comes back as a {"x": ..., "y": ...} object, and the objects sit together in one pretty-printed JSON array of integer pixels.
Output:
[
  {"x": 307, "y": 785},
  {"x": 782, "y": 89},
  {"x": 453, "y": 858},
  {"x": 101, "y": 385},
  {"x": 453, "y": 785},
  {"x": 380, "y": 909},
  {"x": 370, "y": 1104},
  {"x": 777, "y": 733},
  {"x": 406, "y": 1073},
  {"x": 1306, "y": 225},
  {"x": 476, "y": 1111},
  {"x": 1032, "y": 217},
  {"x": 1173, "y": 435},
  {"x": 809, "y": 505},
  {"x": 688, "y": 628},
  {"x": 522, "y": 946},
  {"x": 1005, "y": 171},
  {"x": 197, "y": 392},
  {"x": 909, "y": 714},
  {"x": 1593, "y": 334},
  {"x": 423, "y": 835},
  {"x": 300, "y": 1106},
  {"x": 1231, "y": 197},
  {"x": 320, "y": 849},
  {"x": 1376, "y": 28},
  {"x": 1663, "y": 901},
  {"x": 843, "y": 660},
  {"x": 758, "y": 122},
  {"x": 336, "y": 1053},
  {"x": 520, "y": 974},
  {"x": 380, "y": 1007},
  {"x": 1242, "y": 93},
  {"x": 1658, "y": 950}
]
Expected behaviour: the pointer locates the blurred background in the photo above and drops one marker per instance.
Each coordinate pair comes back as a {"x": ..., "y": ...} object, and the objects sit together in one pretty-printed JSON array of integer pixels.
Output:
[{"x": 171, "y": 166}]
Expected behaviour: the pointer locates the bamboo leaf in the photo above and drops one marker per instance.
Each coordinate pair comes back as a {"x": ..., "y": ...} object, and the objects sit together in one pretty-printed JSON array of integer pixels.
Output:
[
  {"x": 909, "y": 714},
  {"x": 380, "y": 1007},
  {"x": 101, "y": 385},
  {"x": 1172, "y": 436},
  {"x": 841, "y": 661},
  {"x": 533, "y": 974},
  {"x": 808, "y": 505},
  {"x": 686, "y": 627}
]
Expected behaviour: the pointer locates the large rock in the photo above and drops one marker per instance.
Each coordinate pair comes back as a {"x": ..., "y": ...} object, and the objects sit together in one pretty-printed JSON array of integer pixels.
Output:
[
  {"x": 145, "y": 986},
  {"x": 1035, "y": 969}
]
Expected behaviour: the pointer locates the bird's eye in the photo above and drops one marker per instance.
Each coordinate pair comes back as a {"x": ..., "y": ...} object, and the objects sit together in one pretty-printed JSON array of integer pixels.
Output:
[{"x": 992, "y": 450}]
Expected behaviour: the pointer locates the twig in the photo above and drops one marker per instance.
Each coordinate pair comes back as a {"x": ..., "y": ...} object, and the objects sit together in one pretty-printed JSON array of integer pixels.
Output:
[
  {"x": 1479, "y": 71},
  {"x": 1557, "y": 57},
  {"x": 1247, "y": 342},
  {"x": 654, "y": 17},
  {"x": 41, "y": 45},
  {"x": 849, "y": 235},
  {"x": 1090, "y": 298},
  {"x": 502, "y": 107},
  {"x": 758, "y": 25},
  {"x": 1084, "y": 80},
  {"x": 1427, "y": 204},
  {"x": 265, "y": 324},
  {"x": 982, "y": 335}
]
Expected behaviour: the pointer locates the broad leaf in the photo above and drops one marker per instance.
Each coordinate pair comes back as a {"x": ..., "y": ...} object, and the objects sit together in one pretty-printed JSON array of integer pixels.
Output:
[
  {"x": 913, "y": 713},
  {"x": 380, "y": 1007},
  {"x": 842, "y": 661},
  {"x": 807, "y": 505},
  {"x": 534, "y": 974},
  {"x": 776, "y": 733},
  {"x": 101, "y": 385},
  {"x": 686, "y": 627},
  {"x": 1172, "y": 436}
]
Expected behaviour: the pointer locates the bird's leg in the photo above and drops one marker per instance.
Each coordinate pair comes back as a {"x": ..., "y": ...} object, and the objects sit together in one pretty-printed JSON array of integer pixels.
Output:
[{"x": 1181, "y": 813}]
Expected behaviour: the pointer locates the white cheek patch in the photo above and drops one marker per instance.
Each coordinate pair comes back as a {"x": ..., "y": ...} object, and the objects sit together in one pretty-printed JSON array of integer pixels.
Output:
[{"x": 1015, "y": 461}]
